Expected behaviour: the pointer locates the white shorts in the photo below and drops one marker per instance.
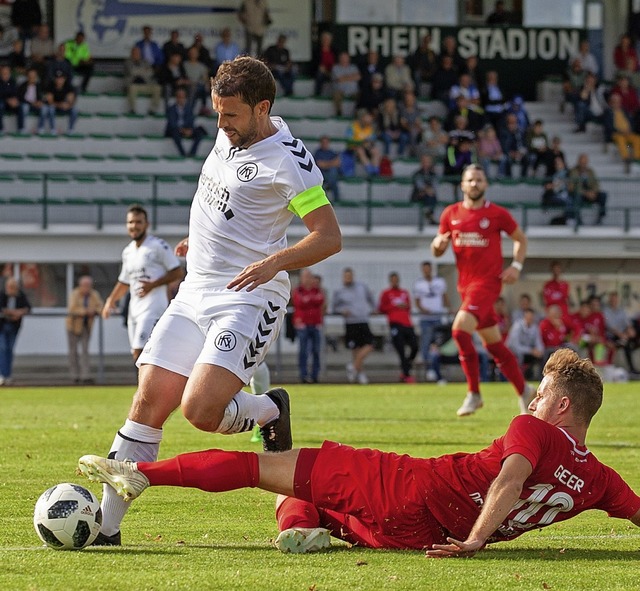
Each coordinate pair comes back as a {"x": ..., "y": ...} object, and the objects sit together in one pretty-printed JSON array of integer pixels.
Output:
[
  {"x": 139, "y": 330},
  {"x": 216, "y": 326}
]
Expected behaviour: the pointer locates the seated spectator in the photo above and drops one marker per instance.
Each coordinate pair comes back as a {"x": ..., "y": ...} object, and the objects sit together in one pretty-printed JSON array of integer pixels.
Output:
[
  {"x": 628, "y": 95},
  {"x": 556, "y": 332},
  {"x": 434, "y": 139},
  {"x": 492, "y": 100},
  {"x": 586, "y": 188},
  {"x": 324, "y": 59},
  {"x": 572, "y": 82},
  {"x": 370, "y": 66},
  {"x": 203, "y": 53},
  {"x": 450, "y": 49},
  {"x": 172, "y": 77},
  {"x": 461, "y": 129},
  {"x": 423, "y": 63},
  {"x": 173, "y": 45},
  {"x": 489, "y": 150},
  {"x": 555, "y": 151},
  {"x": 471, "y": 68},
  {"x": 537, "y": 147},
  {"x": 631, "y": 72},
  {"x": 7, "y": 36},
  {"x": 226, "y": 49},
  {"x": 619, "y": 329},
  {"x": 361, "y": 136},
  {"x": 278, "y": 59},
  {"x": 60, "y": 96},
  {"x": 78, "y": 53},
  {"x": 17, "y": 59},
  {"x": 586, "y": 58},
  {"x": 139, "y": 78},
  {"x": 557, "y": 194},
  {"x": 516, "y": 107},
  {"x": 373, "y": 95},
  {"x": 465, "y": 87},
  {"x": 590, "y": 105},
  {"x": 514, "y": 148},
  {"x": 525, "y": 342},
  {"x": 524, "y": 303},
  {"x": 197, "y": 75},
  {"x": 41, "y": 50},
  {"x": 411, "y": 120},
  {"x": 8, "y": 95},
  {"x": 328, "y": 162},
  {"x": 589, "y": 332},
  {"x": 460, "y": 154},
  {"x": 443, "y": 79},
  {"x": 59, "y": 63},
  {"x": 623, "y": 51},
  {"x": 345, "y": 78},
  {"x": 390, "y": 128},
  {"x": 397, "y": 76},
  {"x": 181, "y": 123},
  {"x": 424, "y": 187},
  {"x": 475, "y": 120},
  {"x": 31, "y": 97},
  {"x": 618, "y": 129},
  {"x": 150, "y": 50}
]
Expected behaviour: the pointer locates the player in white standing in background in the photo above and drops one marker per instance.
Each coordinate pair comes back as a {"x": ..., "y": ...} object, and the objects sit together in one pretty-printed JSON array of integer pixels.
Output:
[
  {"x": 148, "y": 266},
  {"x": 230, "y": 307}
]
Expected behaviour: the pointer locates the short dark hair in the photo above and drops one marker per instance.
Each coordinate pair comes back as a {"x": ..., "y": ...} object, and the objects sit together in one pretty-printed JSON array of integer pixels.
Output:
[
  {"x": 137, "y": 208},
  {"x": 247, "y": 78}
]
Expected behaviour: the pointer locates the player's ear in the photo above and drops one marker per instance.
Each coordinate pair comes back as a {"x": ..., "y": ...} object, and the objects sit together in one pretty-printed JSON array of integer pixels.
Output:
[{"x": 263, "y": 108}]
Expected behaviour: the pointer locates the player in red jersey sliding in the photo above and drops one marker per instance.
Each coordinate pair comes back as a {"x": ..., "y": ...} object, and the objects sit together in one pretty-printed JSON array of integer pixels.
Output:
[
  {"x": 474, "y": 227},
  {"x": 540, "y": 472}
]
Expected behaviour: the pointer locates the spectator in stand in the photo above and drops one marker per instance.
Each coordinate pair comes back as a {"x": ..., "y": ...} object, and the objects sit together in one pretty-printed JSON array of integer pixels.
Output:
[
  {"x": 308, "y": 310},
  {"x": 139, "y": 78},
  {"x": 524, "y": 303},
  {"x": 556, "y": 193},
  {"x": 489, "y": 150},
  {"x": 473, "y": 117},
  {"x": 328, "y": 162},
  {"x": 369, "y": 66},
  {"x": 60, "y": 96},
  {"x": 395, "y": 303},
  {"x": 59, "y": 63},
  {"x": 584, "y": 184},
  {"x": 14, "y": 306},
  {"x": 472, "y": 69},
  {"x": 514, "y": 146},
  {"x": 181, "y": 124},
  {"x": 572, "y": 82},
  {"x": 556, "y": 291},
  {"x": 173, "y": 45},
  {"x": 31, "y": 97},
  {"x": 255, "y": 18},
  {"x": 591, "y": 103},
  {"x": 198, "y": 87},
  {"x": 450, "y": 49},
  {"x": 465, "y": 87},
  {"x": 361, "y": 139},
  {"x": 424, "y": 187},
  {"x": 605, "y": 349},
  {"x": 26, "y": 17},
  {"x": 345, "y": 81},
  {"x": 17, "y": 59},
  {"x": 556, "y": 332},
  {"x": 204, "y": 56},
  {"x": 150, "y": 50},
  {"x": 586, "y": 58},
  {"x": 492, "y": 100},
  {"x": 355, "y": 303},
  {"x": 516, "y": 107},
  {"x": 555, "y": 151},
  {"x": 226, "y": 49},
  {"x": 460, "y": 154},
  {"x": 390, "y": 127},
  {"x": 623, "y": 51},
  {"x": 324, "y": 59},
  {"x": 424, "y": 63},
  {"x": 537, "y": 147},
  {"x": 619, "y": 130},
  {"x": 525, "y": 342},
  {"x": 443, "y": 79},
  {"x": 7, "y": 36},
  {"x": 434, "y": 139},
  {"x": 397, "y": 76},
  {"x": 41, "y": 50},
  {"x": 373, "y": 95},
  {"x": 173, "y": 76},
  {"x": 628, "y": 95},
  {"x": 631, "y": 72},
  {"x": 278, "y": 59},
  {"x": 78, "y": 53},
  {"x": 499, "y": 16},
  {"x": 619, "y": 329},
  {"x": 411, "y": 120},
  {"x": 8, "y": 95},
  {"x": 432, "y": 302}
]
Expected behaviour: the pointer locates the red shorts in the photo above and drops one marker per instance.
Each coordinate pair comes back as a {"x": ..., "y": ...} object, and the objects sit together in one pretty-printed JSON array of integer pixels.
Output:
[
  {"x": 370, "y": 497},
  {"x": 479, "y": 300}
]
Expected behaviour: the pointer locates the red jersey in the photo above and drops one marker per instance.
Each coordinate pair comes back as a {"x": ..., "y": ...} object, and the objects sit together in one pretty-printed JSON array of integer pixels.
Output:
[
  {"x": 556, "y": 292},
  {"x": 396, "y": 304},
  {"x": 476, "y": 241},
  {"x": 552, "y": 335},
  {"x": 308, "y": 306}
]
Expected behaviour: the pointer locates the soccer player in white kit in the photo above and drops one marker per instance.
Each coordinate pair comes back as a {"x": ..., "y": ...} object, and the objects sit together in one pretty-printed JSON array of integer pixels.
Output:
[
  {"x": 231, "y": 305},
  {"x": 148, "y": 266}
]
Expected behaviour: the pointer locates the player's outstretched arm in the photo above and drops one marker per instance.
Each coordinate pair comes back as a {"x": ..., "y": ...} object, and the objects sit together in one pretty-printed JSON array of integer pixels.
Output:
[{"x": 503, "y": 494}]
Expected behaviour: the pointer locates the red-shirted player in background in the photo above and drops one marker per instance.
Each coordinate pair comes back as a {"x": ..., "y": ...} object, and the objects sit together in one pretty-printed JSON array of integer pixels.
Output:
[
  {"x": 474, "y": 227},
  {"x": 395, "y": 302},
  {"x": 540, "y": 472},
  {"x": 556, "y": 291}
]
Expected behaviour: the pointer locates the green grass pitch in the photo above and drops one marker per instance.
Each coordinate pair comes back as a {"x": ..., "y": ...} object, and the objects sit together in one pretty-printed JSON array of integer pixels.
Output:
[{"x": 187, "y": 539}]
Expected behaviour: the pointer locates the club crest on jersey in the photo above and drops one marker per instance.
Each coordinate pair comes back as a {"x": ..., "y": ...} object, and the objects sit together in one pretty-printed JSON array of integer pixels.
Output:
[
  {"x": 484, "y": 223},
  {"x": 247, "y": 172},
  {"x": 225, "y": 341}
]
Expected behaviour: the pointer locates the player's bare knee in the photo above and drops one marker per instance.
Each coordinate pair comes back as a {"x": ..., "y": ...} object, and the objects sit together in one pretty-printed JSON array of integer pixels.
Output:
[{"x": 204, "y": 419}]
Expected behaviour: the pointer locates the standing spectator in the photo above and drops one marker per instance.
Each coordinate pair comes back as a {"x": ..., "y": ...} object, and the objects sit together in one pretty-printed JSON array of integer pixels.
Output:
[
  {"x": 345, "y": 78},
  {"x": 78, "y": 53},
  {"x": 555, "y": 292},
  {"x": 226, "y": 49},
  {"x": 424, "y": 63},
  {"x": 85, "y": 304},
  {"x": 148, "y": 266},
  {"x": 328, "y": 162},
  {"x": 255, "y": 18},
  {"x": 355, "y": 303},
  {"x": 620, "y": 330},
  {"x": 173, "y": 45},
  {"x": 514, "y": 147},
  {"x": 556, "y": 331},
  {"x": 395, "y": 302},
  {"x": 181, "y": 124},
  {"x": 308, "y": 311},
  {"x": 31, "y": 97},
  {"x": 139, "y": 78},
  {"x": 586, "y": 58},
  {"x": 278, "y": 60},
  {"x": 197, "y": 75},
  {"x": 204, "y": 56},
  {"x": 390, "y": 127},
  {"x": 324, "y": 58},
  {"x": 150, "y": 50},
  {"x": 8, "y": 95},
  {"x": 424, "y": 187},
  {"x": 584, "y": 183},
  {"x": 14, "y": 305},
  {"x": 42, "y": 49},
  {"x": 590, "y": 104},
  {"x": 60, "y": 97},
  {"x": 173, "y": 77},
  {"x": 26, "y": 16},
  {"x": 432, "y": 302},
  {"x": 618, "y": 128},
  {"x": 525, "y": 342},
  {"x": 474, "y": 228},
  {"x": 397, "y": 76}
]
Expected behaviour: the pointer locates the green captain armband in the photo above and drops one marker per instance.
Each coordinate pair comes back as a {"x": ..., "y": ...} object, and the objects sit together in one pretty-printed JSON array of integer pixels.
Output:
[{"x": 308, "y": 201}]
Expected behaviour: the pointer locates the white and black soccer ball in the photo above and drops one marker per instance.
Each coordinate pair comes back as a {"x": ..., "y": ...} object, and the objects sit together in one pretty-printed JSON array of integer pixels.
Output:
[{"x": 67, "y": 517}]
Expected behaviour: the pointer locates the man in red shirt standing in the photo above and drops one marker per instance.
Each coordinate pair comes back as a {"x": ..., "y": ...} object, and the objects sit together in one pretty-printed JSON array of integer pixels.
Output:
[
  {"x": 556, "y": 331},
  {"x": 538, "y": 473},
  {"x": 308, "y": 311},
  {"x": 556, "y": 291},
  {"x": 474, "y": 227},
  {"x": 395, "y": 302}
]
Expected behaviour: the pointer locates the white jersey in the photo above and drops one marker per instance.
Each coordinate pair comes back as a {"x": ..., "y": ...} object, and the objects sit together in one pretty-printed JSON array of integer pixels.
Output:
[
  {"x": 243, "y": 206},
  {"x": 151, "y": 260},
  {"x": 430, "y": 295}
]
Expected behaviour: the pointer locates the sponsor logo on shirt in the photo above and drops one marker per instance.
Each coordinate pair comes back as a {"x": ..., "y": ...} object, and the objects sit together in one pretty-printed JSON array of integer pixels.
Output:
[
  {"x": 473, "y": 239},
  {"x": 213, "y": 193}
]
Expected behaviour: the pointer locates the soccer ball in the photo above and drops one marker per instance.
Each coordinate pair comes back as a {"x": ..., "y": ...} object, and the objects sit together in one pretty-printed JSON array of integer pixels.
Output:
[{"x": 67, "y": 517}]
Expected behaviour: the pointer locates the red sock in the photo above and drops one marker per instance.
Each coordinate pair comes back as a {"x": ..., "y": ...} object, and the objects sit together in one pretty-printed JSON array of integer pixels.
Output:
[
  {"x": 468, "y": 359},
  {"x": 508, "y": 364},
  {"x": 296, "y": 513},
  {"x": 214, "y": 470}
]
